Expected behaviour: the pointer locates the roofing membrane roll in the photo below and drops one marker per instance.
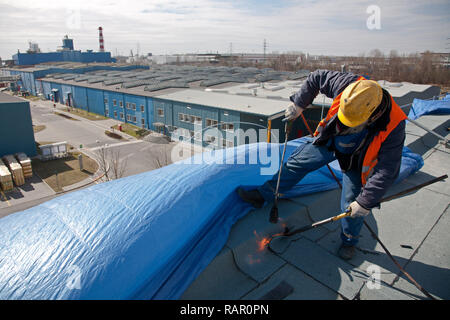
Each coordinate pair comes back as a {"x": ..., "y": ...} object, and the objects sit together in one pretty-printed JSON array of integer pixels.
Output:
[{"x": 146, "y": 236}]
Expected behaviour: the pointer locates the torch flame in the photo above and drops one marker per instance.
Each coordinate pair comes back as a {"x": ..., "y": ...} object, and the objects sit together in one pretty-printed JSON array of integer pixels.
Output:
[
  {"x": 261, "y": 242},
  {"x": 264, "y": 241}
]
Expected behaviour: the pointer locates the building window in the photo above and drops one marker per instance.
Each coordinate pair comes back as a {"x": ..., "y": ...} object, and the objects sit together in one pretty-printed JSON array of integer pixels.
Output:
[
  {"x": 227, "y": 143},
  {"x": 106, "y": 112},
  {"x": 143, "y": 121},
  {"x": 115, "y": 114},
  {"x": 160, "y": 112},
  {"x": 133, "y": 106},
  {"x": 142, "y": 108},
  {"x": 211, "y": 123},
  {"x": 114, "y": 102},
  {"x": 121, "y": 115},
  {"x": 106, "y": 100},
  {"x": 127, "y": 105},
  {"x": 134, "y": 119},
  {"x": 228, "y": 127},
  {"x": 121, "y": 103},
  {"x": 128, "y": 117}
]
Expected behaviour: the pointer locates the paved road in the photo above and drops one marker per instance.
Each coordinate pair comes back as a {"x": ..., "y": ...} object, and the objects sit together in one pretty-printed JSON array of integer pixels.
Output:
[
  {"x": 140, "y": 156},
  {"x": 83, "y": 132}
]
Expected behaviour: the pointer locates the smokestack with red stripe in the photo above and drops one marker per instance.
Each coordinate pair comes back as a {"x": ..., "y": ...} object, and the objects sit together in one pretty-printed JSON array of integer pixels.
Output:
[{"x": 100, "y": 39}]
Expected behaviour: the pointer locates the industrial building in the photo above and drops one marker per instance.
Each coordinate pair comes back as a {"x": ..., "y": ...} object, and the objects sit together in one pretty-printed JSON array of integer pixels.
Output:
[
  {"x": 65, "y": 54},
  {"x": 16, "y": 128},
  {"x": 222, "y": 102},
  {"x": 178, "y": 100},
  {"x": 30, "y": 74},
  {"x": 173, "y": 100},
  {"x": 35, "y": 64}
]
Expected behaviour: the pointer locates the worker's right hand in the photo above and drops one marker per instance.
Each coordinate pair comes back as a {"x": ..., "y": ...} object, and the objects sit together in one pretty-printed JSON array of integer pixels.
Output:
[
  {"x": 357, "y": 210},
  {"x": 292, "y": 112}
]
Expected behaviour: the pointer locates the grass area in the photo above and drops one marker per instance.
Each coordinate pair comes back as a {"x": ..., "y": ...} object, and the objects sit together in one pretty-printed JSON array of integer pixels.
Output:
[
  {"x": 113, "y": 135},
  {"x": 38, "y": 128},
  {"x": 132, "y": 130},
  {"x": 68, "y": 170},
  {"x": 86, "y": 115},
  {"x": 32, "y": 98}
]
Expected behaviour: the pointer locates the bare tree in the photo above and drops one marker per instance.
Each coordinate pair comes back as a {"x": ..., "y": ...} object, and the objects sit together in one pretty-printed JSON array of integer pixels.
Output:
[
  {"x": 160, "y": 156},
  {"x": 101, "y": 156},
  {"x": 110, "y": 164},
  {"x": 118, "y": 166}
]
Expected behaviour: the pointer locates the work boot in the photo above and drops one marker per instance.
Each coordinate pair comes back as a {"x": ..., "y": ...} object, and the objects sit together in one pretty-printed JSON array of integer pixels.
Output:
[
  {"x": 251, "y": 196},
  {"x": 346, "y": 252}
]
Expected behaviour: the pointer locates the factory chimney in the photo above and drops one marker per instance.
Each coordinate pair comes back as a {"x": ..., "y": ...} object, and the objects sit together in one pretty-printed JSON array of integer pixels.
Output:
[{"x": 100, "y": 39}]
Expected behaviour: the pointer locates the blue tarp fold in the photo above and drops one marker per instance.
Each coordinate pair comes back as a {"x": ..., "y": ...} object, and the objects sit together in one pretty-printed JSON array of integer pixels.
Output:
[
  {"x": 424, "y": 107},
  {"x": 146, "y": 236}
]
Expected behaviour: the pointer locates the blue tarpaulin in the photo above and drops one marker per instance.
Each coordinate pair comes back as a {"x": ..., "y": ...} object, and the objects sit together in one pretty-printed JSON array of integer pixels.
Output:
[
  {"x": 424, "y": 107},
  {"x": 146, "y": 236}
]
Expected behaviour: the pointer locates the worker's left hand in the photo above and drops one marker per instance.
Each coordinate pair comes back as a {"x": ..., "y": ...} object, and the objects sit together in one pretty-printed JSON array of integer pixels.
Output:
[
  {"x": 357, "y": 210},
  {"x": 292, "y": 112}
]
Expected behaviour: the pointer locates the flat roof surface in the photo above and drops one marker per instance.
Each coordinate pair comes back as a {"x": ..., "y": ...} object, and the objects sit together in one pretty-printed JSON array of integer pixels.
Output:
[
  {"x": 260, "y": 106},
  {"x": 415, "y": 228},
  {"x": 280, "y": 90},
  {"x": 63, "y": 65},
  {"x": 272, "y": 96}
]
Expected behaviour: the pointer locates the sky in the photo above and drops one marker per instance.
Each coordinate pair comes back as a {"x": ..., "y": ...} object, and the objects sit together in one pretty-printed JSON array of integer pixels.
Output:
[{"x": 331, "y": 27}]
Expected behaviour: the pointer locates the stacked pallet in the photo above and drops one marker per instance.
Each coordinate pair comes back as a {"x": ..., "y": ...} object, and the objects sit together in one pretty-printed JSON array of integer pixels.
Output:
[
  {"x": 15, "y": 169},
  {"x": 25, "y": 162},
  {"x": 6, "y": 182}
]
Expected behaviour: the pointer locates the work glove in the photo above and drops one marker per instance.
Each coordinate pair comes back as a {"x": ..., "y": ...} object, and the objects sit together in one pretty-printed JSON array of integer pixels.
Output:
[
  {"x": 357, "y": 210},
  {"x": 292, "y": 112}
]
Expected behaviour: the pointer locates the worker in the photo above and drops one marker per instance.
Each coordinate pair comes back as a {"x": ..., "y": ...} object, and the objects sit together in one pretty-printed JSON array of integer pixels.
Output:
[{"x": 364, "y": 130}]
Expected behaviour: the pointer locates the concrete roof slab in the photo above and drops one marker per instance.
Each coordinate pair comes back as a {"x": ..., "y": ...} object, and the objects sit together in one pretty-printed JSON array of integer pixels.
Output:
[
  {"x": 398, "y": 224},
  {"x": 367, "y": 255},
  {"x": 436, "y": 164},
  {"x": 383, "y": 292},
  {"x": 305, "y": 288},
  {"x": 258, "y": 263},
  {"x": 430, "y": 266},
  {"x": 326, "y": 268},
  {"x": 258, "y": 221},
  {"x": 220, "y": 280},
  {"x": 322, "y": 205}
]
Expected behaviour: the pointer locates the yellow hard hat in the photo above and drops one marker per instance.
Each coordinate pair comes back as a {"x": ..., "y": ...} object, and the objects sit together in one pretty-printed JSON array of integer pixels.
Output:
[{"x": 358, "y": 101}]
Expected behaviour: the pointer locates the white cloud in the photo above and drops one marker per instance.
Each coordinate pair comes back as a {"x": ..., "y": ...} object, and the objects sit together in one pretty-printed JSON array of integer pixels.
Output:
[{"x": 327, "y": 27}]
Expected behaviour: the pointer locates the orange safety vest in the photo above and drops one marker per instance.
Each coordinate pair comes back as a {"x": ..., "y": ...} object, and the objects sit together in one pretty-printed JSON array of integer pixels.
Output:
[{"x": 371, "y": 157}]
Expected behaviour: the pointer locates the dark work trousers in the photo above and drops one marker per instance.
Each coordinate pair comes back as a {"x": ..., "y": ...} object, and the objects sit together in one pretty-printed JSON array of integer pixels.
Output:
[{"x": 307, "y": 158}]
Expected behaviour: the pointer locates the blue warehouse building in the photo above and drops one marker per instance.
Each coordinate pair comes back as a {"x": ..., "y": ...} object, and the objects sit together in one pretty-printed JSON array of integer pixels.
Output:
[
  {"x": 16, "y": 127},
  {"x": 33, "y": 65},
  {"x": 29, "y": 75},
  {"x": 210, "y": 106},
  {"x": 65, "y": 54},
  {"x": 173, "y": 102},
  {"x": 23, "y": 59}
]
